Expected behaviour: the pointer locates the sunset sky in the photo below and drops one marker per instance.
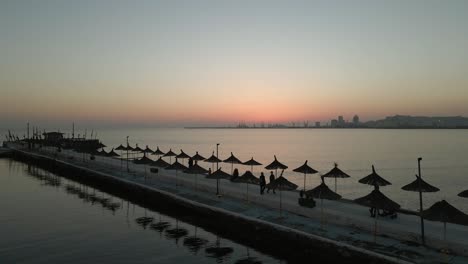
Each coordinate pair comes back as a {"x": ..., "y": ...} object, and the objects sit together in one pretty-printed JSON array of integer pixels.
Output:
[{"x": 220, "y": 62}]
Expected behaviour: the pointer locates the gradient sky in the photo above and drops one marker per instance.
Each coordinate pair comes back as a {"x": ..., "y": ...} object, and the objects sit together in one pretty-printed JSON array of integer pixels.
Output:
[{"x": 219, "y": 62}]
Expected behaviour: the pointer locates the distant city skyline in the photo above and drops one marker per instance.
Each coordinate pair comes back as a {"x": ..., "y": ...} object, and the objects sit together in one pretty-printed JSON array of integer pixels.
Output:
[{"x": 179, "y": 63}]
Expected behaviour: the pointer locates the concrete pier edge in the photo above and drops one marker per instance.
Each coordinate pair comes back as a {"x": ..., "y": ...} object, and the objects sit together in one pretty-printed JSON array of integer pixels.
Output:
[{"x": 272, "y": 234}]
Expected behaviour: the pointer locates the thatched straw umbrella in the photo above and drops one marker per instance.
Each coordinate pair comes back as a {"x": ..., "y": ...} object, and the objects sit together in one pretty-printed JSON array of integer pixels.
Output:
[
  {"x": 158, "y": 152},
  {"x": 322, "y": 192},
  {"x": 377, "y": 200},
  {"x": 144, "y": 160},
  {"x": 233, "y": 160},
  {"x": 306, "y": 169},
  {"x": 444, "y": 212},
  {"x": 169, "y": 154},
  {"x": 147, "y": 150},
  {"x": 197, "y": 157},
  {"x": 374, "y": 179},
  {"x": 248, "y": 178},
  {"x": 218, "y": 175},
  {"x": 121, "y": 148},
  {"x": 160, "y": 163},
  {"x": 213, "y": 159},
  {"x": 282, "y": 184},
  {"x": 182, "y": 155},
  {"x": 420, "y": 186},
  {"x": 177, "y": 167},
  {"x": 251, "y": 162},
  {"x": 196, "y": 169},
  {"x": 336, "y": 173},
  {"x": 137, "y": 150},
  {"x": 275, "y": 165}
]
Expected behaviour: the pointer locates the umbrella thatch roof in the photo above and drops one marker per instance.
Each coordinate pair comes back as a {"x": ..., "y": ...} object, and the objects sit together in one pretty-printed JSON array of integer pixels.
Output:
[
  {"x": 276, "y": 165},
  {"x": 196, "y": 169},
  {"x": 282, "y": 183},
  {"x": 444, "y": 212},
  {"x": 213, "y": 159},
  {"x": 374, "y": 179},
  {"x": 120, "y": 147},
  {"x": 182, "y": 155},
  {"x": 232, "y": 159},
  {"x": 138, "y": 149},
  {"x": 336, "y": 173},
  {"x": 197, "y": 157},
  {"x": 158, "y": 151},
  {"x": 252, "y": 162},
  {"x": 128, "y": 147},
  {"x": 147, "y": 150},
  {"x": 100, "y": 145},
  {"x": 464, "y": 194},
  {"x": 176, "y": 166},
  {"x": 112, "y": 154},
  {"x": 248, "y": 177},
  {"x": 143, "y": 160},
  {"x": 160, "y": 163},
  {"x": 378, "y": 200},
  {"x": 323, "y": 192},
  {"x": 305, "y": 169},
  {"x": 219, "y": 174},
  {"x": 169, "y": 154},
  {"x": 414, "y": 186}
]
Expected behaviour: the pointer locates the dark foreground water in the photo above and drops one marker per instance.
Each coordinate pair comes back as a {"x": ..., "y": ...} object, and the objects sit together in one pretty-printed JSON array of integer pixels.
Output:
[{"x": 45, "y": 218}]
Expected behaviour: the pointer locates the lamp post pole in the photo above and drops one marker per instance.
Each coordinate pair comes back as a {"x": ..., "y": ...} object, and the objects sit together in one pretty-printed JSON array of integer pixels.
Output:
[
  {"x": 217, "y": 180},
  {"x": 421, "y": 203}
]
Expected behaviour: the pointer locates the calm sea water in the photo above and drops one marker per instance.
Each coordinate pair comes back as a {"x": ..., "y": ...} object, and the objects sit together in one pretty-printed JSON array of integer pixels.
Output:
[
  {"x": 393, "y": 152},
  {"x": 48, "y": 219}
]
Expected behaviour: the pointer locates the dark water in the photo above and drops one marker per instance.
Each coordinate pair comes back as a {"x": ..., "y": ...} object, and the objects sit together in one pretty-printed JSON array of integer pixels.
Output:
[{"x": 45, "y": 218}]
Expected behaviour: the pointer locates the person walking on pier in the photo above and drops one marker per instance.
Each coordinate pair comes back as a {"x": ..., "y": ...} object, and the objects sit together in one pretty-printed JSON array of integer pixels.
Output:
[
  {"x": 262, "y": 183},
  {"x": 272, "y": 178}
]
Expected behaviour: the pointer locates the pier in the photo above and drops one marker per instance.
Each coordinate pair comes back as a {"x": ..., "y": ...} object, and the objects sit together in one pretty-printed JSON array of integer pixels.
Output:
[{"x": 347, "y": 230}]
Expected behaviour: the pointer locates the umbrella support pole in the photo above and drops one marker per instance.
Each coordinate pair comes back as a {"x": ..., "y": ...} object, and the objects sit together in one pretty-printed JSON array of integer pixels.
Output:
[
  {"x": 375, "y": 224},
  {"x": 304, "y": 181},
  {"x": 335, "y": 186}
]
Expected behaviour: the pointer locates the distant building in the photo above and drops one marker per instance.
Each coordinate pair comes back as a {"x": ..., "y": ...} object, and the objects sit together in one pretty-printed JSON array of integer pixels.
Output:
[
  {"x": 317, "y": 124},
  {"x": 341, "y": 121},
  {"x": 356, "y": 120},
  {"x": 334, "y": 123},
  {"x": 53, "y": 136}
]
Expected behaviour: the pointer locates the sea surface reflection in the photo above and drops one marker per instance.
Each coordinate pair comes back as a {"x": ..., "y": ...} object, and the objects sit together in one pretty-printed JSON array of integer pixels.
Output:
[{"x": 46, "y": 218}]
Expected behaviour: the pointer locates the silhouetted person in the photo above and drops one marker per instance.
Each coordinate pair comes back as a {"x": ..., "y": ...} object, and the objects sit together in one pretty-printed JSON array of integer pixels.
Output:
[
  {"x": 209, "y": 171},
  {"x": 190, "y": 162},
  {"x": 272, "y": 179},
  {"x": 262, "y": 183},
  {"x": 235, "y": 174}
]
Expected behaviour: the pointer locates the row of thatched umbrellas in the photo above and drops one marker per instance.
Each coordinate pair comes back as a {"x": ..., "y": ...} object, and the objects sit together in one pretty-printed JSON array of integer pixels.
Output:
[{"x": 440, "y": 211}]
